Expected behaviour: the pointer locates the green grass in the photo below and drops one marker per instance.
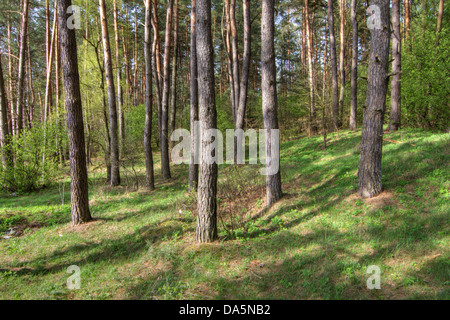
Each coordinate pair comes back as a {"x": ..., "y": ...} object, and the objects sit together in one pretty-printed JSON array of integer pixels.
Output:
[{"x": 316, "y": 243}]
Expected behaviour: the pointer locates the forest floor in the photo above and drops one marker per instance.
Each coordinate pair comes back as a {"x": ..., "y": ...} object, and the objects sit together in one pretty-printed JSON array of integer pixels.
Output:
[{"x": 316, "y": 243}]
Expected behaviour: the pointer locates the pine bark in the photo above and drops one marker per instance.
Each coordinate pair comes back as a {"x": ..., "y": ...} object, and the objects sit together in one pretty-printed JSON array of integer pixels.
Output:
[
  {"x": 369, "y": 169},
  {"x": 78, "y": 170},
  {"x": 115, "y": 169},
  {"x": 207, "y": 184},
  {"x": 269, "y": 94}
]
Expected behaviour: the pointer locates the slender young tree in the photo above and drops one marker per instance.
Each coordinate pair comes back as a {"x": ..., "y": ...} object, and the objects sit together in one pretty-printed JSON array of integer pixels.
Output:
[
  {"x": 439, "y": 20},
  {"x": 309, "y": 44},
  {"x": 334, "y": 81},
  {"x": 118, "y": 74},
  {"x": 245, "y": 67},
  {"x": 4, "y": 130},
  {"x": 207, "y": 183},
  {"x": 395, "y": 119},
  {"x": 173, "y": 86},
  {"x": 150, "y": 175},
  {"x": 115, "y": 165},
  {"x": 354, "y": 74},
  {"x": 21, "y": 69},
  {"x": 269, "y": 94},
  {"x": 78, "y": 171},
  {"x": 369, "y": 169},
  {"x": 342, "y": 60},
  {"x": 193, "y": 166},
  {"x": 235, "y": 55},
  {"x": 156, "y": 61},
  {"x": 164, "y": 144},
  {"x": 228, "y": 47}
]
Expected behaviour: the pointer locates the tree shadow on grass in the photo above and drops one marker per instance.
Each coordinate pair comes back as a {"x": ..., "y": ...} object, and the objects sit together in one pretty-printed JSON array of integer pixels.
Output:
[{"x": 108, "y": 250}]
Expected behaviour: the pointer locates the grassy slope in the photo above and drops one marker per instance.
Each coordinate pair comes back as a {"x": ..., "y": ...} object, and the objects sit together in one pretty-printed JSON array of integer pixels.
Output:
[{"x": 314, "y": 244}]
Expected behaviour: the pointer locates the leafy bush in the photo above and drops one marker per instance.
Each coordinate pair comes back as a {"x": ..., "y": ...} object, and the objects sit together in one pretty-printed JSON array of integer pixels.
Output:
[
  {"x": 29, "y": 171},
  {"x": 425, "y": 74}
]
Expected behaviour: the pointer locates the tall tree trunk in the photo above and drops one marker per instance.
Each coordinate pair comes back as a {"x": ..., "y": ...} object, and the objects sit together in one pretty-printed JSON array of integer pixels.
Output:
[
  {"x": 439, "y": 20},
  {"x": 342, "y": 61},
  {"x": 207, "y": 184},
  {"x": 150, "y": 175},
  {"x": 157, "y": 53},
  {"x": 115, "y": 166},
  {"x": 235, "y": 56},
  {"x": 407, "y": 18},
  {"x": 48, "y": 98},
  {"x": 78, "y": 171},
  {"x": 269, "y": 96},
  {"x": 334, "y": 81},
  {"x": 369, "y": 169},
  {"x": 48, "y": 83},
  {"x": 227, "y": 8},
  {"x": 173, "y": 87},
  {"x": 165, "y": 166},
  {"x": 245, "y": 66},
  {"x": 135, "y": 62},
  {"x": 119, "y": 76},
  {"x": 4, "y": 130},
  {"x": 354, "y": 74},
  {"x": 312, "y": 114},
  {"x": 395, "y": 119},
  {"x": 304, "y": 45},
  {"x": 21, "y": 69},
  {"x": 155, "y": 62},
  {"x": 193, "y": 166},
  {"x": 12, "y": 100}
]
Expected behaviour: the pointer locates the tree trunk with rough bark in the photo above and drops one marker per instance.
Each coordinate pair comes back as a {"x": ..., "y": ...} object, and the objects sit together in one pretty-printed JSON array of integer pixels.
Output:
[
  {"x": 207, "y": 184},
  {"x": 369, "y": 169},
  {"x": 269, "y": 95},
  {"x": 78, "y": 171}
]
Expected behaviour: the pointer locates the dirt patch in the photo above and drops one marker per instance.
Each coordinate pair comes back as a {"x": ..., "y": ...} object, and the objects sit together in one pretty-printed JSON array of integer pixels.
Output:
[
  {"x": 19, "y": 230},
  {"x": 82, "y": 228},
  {"x": 385, "y": 198}
]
